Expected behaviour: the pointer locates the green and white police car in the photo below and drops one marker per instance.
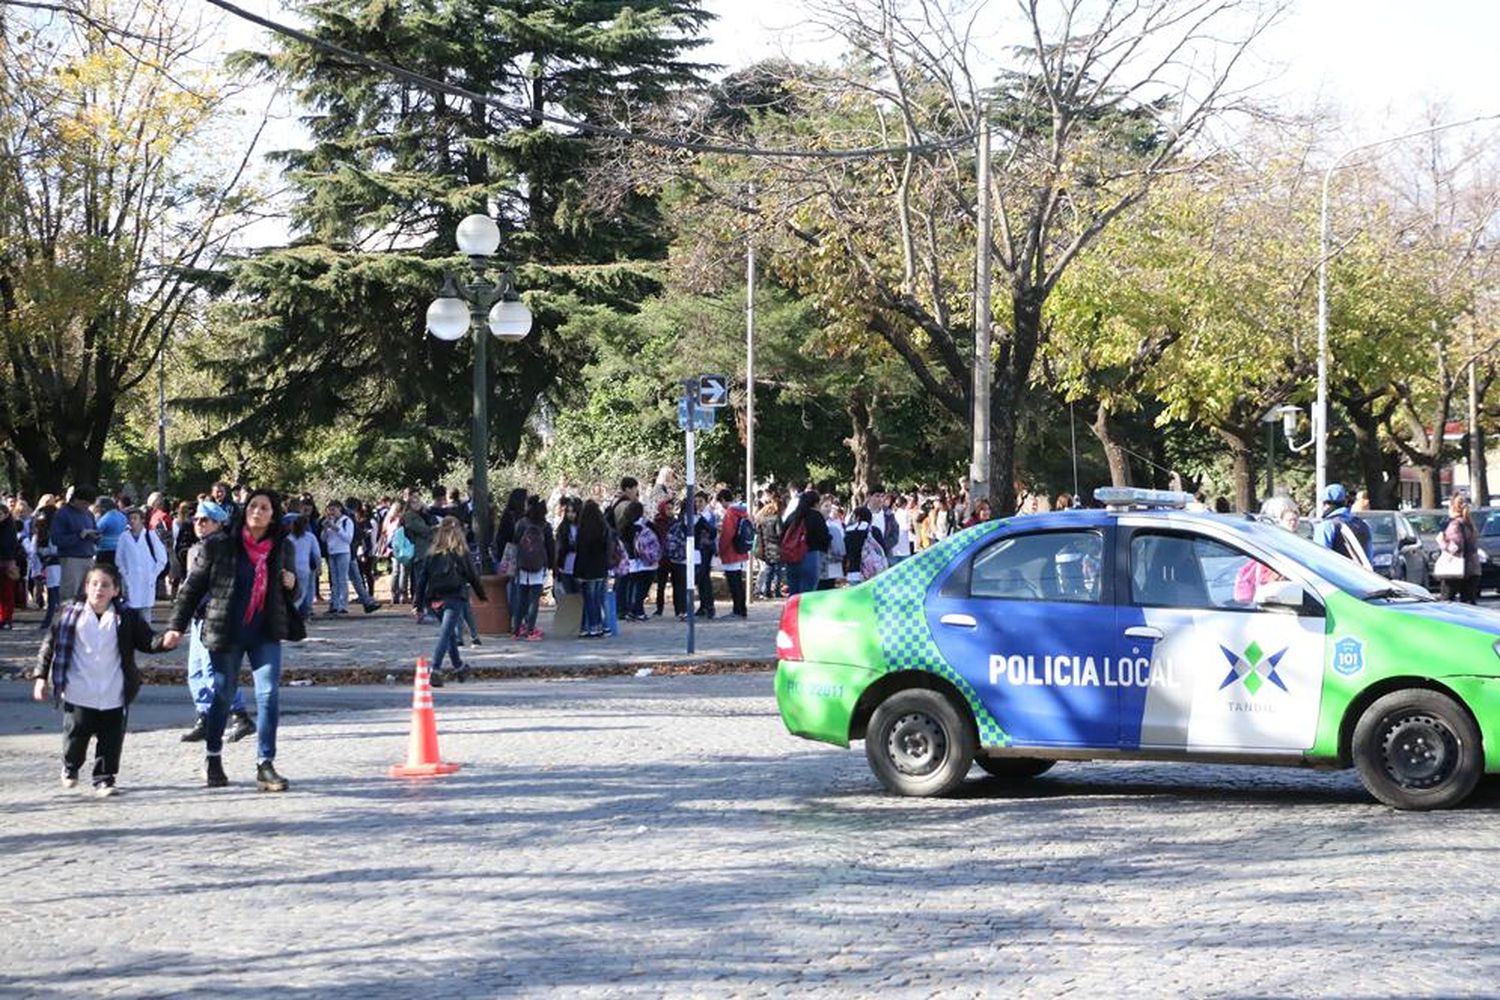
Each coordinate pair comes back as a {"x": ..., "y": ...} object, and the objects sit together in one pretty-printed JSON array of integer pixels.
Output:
[{"x": 1144, "y": 632}]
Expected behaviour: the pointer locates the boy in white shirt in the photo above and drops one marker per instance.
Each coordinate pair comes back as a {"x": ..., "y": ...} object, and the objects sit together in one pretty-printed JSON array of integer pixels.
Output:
[{"x": 88, "y": 660}]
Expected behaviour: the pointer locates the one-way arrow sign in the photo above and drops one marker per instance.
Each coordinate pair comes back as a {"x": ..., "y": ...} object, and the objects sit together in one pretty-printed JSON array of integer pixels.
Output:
[{"x": 713, "y": 390}]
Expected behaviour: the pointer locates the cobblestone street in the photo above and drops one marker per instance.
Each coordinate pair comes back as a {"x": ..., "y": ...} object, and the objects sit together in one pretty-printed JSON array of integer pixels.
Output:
[{"x": 664, "y": 835}]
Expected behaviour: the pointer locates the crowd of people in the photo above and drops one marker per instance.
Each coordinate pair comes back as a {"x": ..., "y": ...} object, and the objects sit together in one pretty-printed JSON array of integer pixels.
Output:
[{"x": 240, "y": 573}]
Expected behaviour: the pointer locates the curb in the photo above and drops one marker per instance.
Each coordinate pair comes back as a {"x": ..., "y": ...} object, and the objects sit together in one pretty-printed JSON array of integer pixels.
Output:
[{"x": 337, "y": 676}]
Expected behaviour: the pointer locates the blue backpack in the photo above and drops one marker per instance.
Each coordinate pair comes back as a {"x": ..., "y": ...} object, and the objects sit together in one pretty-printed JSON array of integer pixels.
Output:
[
  {"x": 402, "y": 547},
  {"x": 744, "y": 535}
]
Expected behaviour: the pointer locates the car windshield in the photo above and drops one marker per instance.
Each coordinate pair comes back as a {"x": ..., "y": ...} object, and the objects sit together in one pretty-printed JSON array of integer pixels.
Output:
[
  {"x": 1429, "y": 524},
  {"x": 1491, "y": 525},
  {"x": 1382, "y": 528},
  {"x": 1343, "y": 573}
]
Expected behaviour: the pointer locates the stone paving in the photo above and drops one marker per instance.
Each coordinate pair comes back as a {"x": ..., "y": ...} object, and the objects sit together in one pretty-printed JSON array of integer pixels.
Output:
[{"x": 665, "y": 836}]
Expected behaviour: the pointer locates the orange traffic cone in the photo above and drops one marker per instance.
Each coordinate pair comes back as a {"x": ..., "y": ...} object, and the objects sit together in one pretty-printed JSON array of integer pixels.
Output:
[{"x": 422, "y": 758}]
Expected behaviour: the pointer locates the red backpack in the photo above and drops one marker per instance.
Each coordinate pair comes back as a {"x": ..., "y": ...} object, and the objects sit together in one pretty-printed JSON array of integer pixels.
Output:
[{"x": 794, "y": 543}]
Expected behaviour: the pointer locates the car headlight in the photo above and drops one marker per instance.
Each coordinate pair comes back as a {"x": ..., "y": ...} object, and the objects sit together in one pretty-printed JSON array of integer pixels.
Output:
[{"x": 1383, "y": 559}]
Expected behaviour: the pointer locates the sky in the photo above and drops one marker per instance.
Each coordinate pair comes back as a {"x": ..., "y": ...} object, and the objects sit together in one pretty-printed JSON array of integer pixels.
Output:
[{"x": 1378, "y": 63}]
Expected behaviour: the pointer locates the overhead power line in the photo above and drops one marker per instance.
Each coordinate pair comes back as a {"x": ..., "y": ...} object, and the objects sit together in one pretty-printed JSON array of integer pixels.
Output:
[{"x": 527, "y": 115}]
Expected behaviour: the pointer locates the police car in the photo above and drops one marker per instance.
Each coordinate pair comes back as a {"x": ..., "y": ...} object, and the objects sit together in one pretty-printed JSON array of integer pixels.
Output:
[{"x": 1144, "y": 632}]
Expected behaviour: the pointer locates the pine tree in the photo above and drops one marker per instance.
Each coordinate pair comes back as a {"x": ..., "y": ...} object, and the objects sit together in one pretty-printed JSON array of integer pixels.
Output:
[{"x": 330, "y": 329}]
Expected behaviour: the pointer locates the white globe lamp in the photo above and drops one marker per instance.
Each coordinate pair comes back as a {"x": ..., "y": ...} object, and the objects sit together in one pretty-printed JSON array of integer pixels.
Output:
[{"x": 478, "y": 236}]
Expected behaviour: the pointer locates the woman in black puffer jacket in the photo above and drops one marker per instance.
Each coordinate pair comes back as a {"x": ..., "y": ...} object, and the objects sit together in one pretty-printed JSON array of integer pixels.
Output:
[{"x": 243, "y": 571}]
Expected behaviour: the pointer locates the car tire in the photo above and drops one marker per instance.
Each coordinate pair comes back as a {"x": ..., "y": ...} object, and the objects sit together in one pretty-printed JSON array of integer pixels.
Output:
[
  {"x": 919, "y": 743},
  {"x": 1014, "y": 768},
  {"x": 1418, "y": 749}
]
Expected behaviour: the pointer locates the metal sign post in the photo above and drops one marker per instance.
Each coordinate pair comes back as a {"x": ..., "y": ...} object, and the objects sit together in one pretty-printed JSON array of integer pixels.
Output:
[{"x": 690, "y": 389}]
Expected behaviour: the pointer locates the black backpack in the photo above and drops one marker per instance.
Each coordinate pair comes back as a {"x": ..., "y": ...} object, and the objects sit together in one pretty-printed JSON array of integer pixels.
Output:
[
  {"x": 443, "y": 576},
  {"x": 1361, "y": 532}
]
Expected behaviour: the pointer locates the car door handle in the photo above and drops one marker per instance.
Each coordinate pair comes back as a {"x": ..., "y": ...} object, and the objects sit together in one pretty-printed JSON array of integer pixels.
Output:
[
  {"x": 961, "y": 621},
  {"x": 1144, "y": 632}
]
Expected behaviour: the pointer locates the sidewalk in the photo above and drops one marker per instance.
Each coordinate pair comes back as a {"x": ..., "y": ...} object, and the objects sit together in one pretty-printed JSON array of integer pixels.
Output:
[{"x": 365, "y": 649}]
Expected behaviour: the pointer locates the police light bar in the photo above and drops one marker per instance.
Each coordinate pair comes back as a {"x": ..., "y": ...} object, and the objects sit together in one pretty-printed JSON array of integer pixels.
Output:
[{"x": 1125, "y": 497}]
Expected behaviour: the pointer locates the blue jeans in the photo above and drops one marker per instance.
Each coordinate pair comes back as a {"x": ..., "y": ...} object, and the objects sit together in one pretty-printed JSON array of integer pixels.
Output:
[
  {"x": 770, "y": 579},
  {"x": 200, "y": 674},
  {"x": 593, "y": 604},
  {"x": 805, "y": 574},
  {"x": 304, "y": 585},
  {"x": 455, "y": 610},
  {"x": 338, "y": 581},
  {"x": 265, "y": 667},
  {"x": 640, "y": 586}
]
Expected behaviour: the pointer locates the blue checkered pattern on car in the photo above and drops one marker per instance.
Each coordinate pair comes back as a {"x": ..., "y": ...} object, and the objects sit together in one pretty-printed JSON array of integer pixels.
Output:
[{"x": 901, "y": 622}]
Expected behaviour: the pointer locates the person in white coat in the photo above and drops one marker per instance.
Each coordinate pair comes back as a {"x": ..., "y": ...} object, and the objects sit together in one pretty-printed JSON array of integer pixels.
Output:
[{"x": 141, "y": 558}]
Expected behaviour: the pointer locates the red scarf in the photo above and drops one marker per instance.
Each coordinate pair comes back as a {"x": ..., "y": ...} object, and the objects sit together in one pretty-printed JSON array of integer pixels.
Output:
[{"x": 260, "y": 555}]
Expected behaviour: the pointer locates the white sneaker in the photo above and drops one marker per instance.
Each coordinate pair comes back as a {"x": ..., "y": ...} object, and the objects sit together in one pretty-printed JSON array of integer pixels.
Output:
[
  {"x": 68, "y": 782},
  {"x": 105, "y": 791}
]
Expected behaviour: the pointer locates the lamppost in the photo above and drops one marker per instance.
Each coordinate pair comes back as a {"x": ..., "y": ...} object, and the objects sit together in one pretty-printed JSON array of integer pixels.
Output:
[
  {"x": 1320, "y": 408},
  {"x": 471, "y": 306}
]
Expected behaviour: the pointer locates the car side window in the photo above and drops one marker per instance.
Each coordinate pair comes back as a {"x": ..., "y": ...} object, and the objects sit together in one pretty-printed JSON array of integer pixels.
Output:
[
  {"x": 1191, "y": 571},
  {"x": 1047, "y": 566}
]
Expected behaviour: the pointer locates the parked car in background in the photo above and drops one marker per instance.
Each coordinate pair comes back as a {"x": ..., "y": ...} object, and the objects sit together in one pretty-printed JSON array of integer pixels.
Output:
[
  {"x": 1395, "y": 549},
  {"x": 1429, "y": 525}
]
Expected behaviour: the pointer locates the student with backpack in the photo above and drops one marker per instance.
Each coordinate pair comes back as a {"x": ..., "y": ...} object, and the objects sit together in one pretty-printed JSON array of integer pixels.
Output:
[
  {"x": 705, "y": 542},
  {"x": 141, "y": 557},
  {"x": 736, "y": 538},
  {"x": 450, "y": 576},
  {"x": 678, "y": 553},
  {"x": 535, "y": 551},
  {"x": 864, "y": 548},
  {"x": 591, "y": 567},
  {"x": 804, "y": 544},
  {"x": 644, "y": 551}
]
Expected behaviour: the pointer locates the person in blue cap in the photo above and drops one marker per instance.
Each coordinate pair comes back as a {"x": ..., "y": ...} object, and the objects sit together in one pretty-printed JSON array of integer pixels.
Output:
[
  {"x": 1339, "y": 524},
  {"x": 209, "y": 518}
]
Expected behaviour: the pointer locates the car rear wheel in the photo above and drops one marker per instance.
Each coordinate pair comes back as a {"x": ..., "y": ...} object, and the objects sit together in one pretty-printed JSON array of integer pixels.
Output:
[
  {"x": 918, "y": 743},
  {"x": 1015, "y": 768},
  {"x": 1418, "y": 749}
]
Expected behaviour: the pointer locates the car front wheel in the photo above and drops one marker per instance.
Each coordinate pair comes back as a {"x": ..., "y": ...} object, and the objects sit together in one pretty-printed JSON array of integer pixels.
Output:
[
  {"x": 1418, "y": 749},
  {"x": 918, "y": 743}
]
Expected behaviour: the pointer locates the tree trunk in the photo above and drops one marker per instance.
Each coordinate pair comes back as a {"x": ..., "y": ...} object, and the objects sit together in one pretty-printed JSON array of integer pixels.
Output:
[
  {"x": 1430, "y": 485},
  {"x": 1008, "y": 388},
  {"x": 1108, "y": 434},
  {"x": 1479, "y": 486},
  {"x": 1244, "y": 469},
  {"x": 865, "y": 445},
  {"x": 1373, "y": 463}
]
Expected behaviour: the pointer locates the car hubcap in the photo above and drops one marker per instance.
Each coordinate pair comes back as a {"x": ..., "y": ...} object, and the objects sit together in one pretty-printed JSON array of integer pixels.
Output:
[
  {"x": 917, "y": 744},
  {"x": 1419, "y": 751}
]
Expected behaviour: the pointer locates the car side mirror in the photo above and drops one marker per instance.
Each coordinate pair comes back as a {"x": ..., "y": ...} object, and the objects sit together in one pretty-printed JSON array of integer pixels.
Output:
[
  {"x": 1281, "y": 595},
  {"x": 1409, "y": 540}
]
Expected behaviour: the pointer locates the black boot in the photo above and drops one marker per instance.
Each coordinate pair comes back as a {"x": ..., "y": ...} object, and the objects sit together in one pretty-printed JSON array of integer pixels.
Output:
[
  {"x": 241, "y": 725},
  {"x": 436, "y": 679},
  {"x": 199, "y": 732},
  {"x": 266, "y": 778},
  {"x": 213, "y": 773}
]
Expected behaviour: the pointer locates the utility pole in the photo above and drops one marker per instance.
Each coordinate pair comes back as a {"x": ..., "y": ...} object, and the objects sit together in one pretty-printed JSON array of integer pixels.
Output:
[
  {"x": 979, "y": 465},
  {"x": 750, "y": 389},
  {"x": 161, "y": 420},
  {"x": 1479, "y": 491}
]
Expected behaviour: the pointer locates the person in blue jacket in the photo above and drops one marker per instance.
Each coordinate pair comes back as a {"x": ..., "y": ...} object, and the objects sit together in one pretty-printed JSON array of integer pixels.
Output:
[
  {"x": 112, "y": 524},
  {"x": 1330, "y": 532}
]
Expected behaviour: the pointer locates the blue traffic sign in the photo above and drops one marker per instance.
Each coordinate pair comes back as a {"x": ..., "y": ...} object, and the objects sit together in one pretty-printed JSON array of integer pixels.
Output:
[{"x": 703, "y": 417}]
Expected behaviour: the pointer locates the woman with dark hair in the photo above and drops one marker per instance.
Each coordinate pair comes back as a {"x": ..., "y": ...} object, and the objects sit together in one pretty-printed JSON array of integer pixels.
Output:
[
  {"x": 45, "y": 554},
  {"x": 505, "y": 553},
  {"x": 804, "y": 544},
  {"x": 564, "y": 574},
  {"x": 535, "y": 551},
  {"x": 641, "y": 546},
  {"x": 591, "y": 567},
  {"x": 242, "y": 572}
]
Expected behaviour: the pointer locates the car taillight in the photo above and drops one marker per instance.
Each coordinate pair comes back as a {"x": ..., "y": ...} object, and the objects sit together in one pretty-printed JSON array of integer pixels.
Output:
[{"x": 788, "y": 639}]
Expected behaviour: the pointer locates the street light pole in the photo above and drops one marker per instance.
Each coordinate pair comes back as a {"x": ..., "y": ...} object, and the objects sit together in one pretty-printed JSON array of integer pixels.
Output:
[
  {"x": 750, "y": 390},
  {"x": 979, "y": 462},
  {"x": 468, "y": 308},
  {"x": 1320, "y": 408}
]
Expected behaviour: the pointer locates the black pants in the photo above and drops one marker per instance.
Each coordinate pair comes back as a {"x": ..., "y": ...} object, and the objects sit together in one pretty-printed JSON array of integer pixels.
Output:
[
  {"x": 1465, "y": 590},
  {"x": 736, "y": 580},
  {"x": 703, "y": 581},
  {"x": 104, "y": 725},
  {"x": 679, "y": 588}
]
